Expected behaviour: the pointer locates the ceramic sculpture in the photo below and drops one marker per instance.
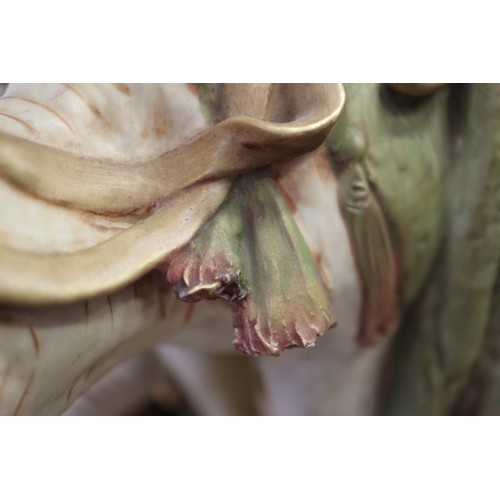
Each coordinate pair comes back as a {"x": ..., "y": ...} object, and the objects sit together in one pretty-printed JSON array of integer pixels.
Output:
[{"x": 351, "y": 235}]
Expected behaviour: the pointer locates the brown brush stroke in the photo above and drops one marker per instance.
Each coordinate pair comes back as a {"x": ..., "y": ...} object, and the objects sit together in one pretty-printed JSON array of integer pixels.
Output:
[
  {"x": 91, "y": 106},
  {"x": 44, "y": 106},
  {"x": 35, "y": 339},
  {"x": 24, "y": 394},
  {"x": 70, "y": 390},
  {"x": 4, "y": 380},
  {"x": 22, "y": 122},
  {"x": 193, "y": 88},
  {"x": 110, "y": 304},
  {"x": 124, "y": 89}
]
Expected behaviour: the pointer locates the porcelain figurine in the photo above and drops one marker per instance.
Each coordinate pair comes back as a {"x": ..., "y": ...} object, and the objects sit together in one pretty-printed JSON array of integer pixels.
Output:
[{"x": 349, "y": 234}]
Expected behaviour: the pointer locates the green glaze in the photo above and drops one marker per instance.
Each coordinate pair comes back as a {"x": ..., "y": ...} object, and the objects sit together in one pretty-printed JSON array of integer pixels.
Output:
[
  {"x": 432, "y": 165},
  {"x": 439, "y": 354},
  {"x": 208, "y": 101},
  {"x": 419, "y": 184},
  {"x": 374, "y": 254},
  {"x": 482, "y": 396},
  {"x": 253, "y": 254},
  {"x": 402, "y": 144}
]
